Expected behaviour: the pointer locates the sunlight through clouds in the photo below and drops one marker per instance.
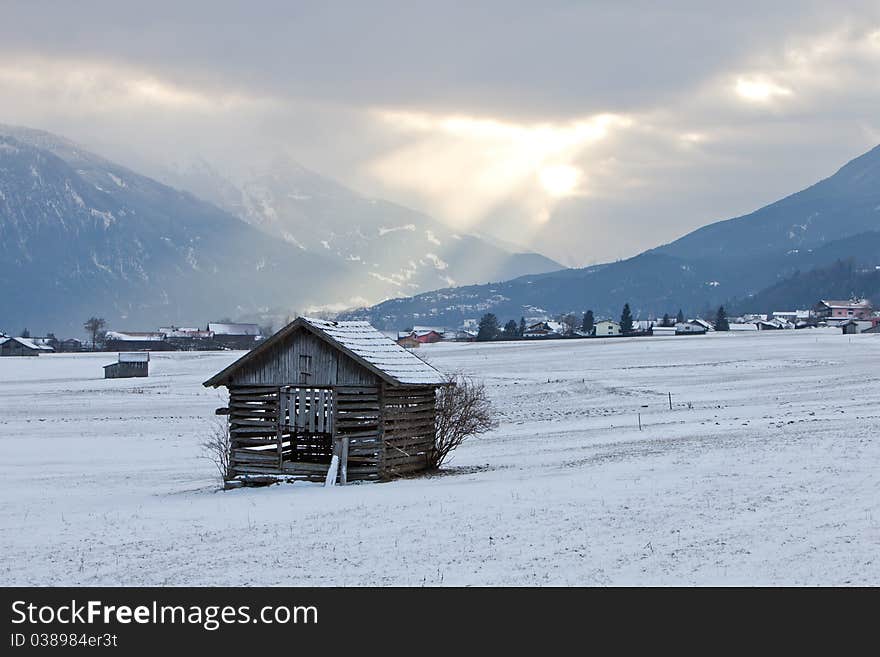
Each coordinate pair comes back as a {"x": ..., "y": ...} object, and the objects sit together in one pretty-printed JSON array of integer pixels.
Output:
[
  {"x": 467, "y": 165},
  {"x": 760, "y": 89}
]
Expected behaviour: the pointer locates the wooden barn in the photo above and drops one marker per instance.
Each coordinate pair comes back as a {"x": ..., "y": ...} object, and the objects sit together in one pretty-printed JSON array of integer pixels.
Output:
[
  {"x": 129, "y": 365},
  {"x": 318, "y": 389}
]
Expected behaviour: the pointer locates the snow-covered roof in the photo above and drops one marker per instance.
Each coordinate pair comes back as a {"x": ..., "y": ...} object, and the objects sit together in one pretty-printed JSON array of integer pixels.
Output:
[
  {"x": 850, "y": 303},
  {"x": 234, "y": 329},
  {"x": 135, "y": 336},
  {"x": 134, "y": 357},
  {"x": 362, "y": 342},
  {"x": 420, "y": 330},
  {"x": 27, "y": 343}
]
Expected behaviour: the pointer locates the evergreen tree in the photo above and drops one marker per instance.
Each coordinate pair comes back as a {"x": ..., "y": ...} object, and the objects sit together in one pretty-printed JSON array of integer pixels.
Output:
[
  {"x": 680, "y": 317},
  {"x": 522, "y": 326},
  {"x": 488, "y": 328},
  {"x": 626, "y": 320},
  {"x": 511, "y": 329},
  {"x": 588, "y": 323},
  {"x": 667, "y": 320},
  {"x": 721, "y": 323}
]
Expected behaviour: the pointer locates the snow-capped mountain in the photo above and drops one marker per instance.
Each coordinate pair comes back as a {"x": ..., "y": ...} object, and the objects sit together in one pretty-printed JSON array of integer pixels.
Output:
[
  {"x": 82, "y": 236},
  {"x": 400, "y": 250},
  {"x": 724, "y": 262}
]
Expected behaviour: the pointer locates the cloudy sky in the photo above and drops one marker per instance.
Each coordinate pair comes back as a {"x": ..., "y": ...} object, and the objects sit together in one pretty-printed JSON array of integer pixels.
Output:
[{"x": 585, "y": 130}]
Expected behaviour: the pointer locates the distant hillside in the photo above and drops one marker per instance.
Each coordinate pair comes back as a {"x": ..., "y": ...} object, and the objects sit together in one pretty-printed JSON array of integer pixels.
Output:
[
  {"x": 400, "y": 250},
  {"x": 841, "y": 280},
  {"x": 836, "y": 218}
]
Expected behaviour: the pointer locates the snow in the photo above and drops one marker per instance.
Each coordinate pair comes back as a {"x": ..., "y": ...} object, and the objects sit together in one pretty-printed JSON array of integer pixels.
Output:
[
  {"x": 765, "y": 472},
  {"x": 383, "y": 230},
  {"x": 437, "y": 261}
]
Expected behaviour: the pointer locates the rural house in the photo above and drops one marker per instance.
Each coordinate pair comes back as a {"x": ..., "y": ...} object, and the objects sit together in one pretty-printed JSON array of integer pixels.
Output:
[
  {"x": 606, "y": 328},
  {"x": 543, "y": 330},
  {"x": 21, "y": 347},
  {"x": 235, "y": 336},
  {"x": 841, "y": 311},
  {"x": 318, "y": 389},
  {"x": 691, "y": 327},
  {"x": 422, "y": 335},
  {"x": 132, "y": 340}
]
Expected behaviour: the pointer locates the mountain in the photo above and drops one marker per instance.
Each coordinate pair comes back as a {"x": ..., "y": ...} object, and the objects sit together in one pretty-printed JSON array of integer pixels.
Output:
[
  {"x": 82, "y": 236},
  {"x": 728, "y": 261},
  {"x": 402, "y": 251}
]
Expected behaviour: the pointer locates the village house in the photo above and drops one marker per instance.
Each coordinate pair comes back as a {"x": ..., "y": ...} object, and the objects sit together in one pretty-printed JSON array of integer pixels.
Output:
[
  {"x": 423, "y": 334},
  {"x": 70, "y": 345},
  {"x": 606, "y": 328},
  {"x": 794, "y": 316},
  {"x": 235, "y": 336},
  {"x": 21, "y": 347},
  {"x": 543, "y": 329},
  {"x": 49, "y": 341},
  {"x": 836, "y": 311},
  {"x": 409, "y": 341},
  {"x": 774, "y": 324},
  {"x": 135, "y": 340},
  {"x": 188, "y": 339},
  {"x": 691, "y": 327},
  {"x": 321, "y": 392}
]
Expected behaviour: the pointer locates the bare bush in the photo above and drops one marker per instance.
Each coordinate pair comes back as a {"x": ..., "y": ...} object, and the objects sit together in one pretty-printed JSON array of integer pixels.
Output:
[
  {"x": 218, "y": 448},
  {"x": 463, "y": 410}
]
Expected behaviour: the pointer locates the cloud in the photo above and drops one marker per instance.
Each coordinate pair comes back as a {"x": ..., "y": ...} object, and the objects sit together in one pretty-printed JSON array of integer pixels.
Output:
[
  {"x": 466, "y": 165},
  {"x": 587, "y": 130}
]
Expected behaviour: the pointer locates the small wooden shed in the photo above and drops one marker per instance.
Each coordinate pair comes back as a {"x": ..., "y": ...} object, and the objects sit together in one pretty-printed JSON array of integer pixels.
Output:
[
  {"x": 318, "y": 389},
  {"x": 130, "y": 364}
]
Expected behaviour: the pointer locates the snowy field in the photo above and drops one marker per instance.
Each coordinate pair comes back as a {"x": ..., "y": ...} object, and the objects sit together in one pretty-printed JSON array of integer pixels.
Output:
[{"x": 766, "y": 471}]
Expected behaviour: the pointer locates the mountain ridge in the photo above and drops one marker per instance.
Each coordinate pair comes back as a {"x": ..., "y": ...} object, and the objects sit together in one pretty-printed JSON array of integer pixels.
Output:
[
  {"x": 724, "y": 261},
  {"x": 91, "y": 236}
]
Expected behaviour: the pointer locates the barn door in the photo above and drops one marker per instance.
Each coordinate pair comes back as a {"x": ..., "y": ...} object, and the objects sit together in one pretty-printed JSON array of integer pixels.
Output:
[
  {"x": 306, "y": 410},
  {"x": 307, "y": 434}
]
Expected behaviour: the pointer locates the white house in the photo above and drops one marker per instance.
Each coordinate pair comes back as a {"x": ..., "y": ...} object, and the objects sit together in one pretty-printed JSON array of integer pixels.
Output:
[
  {"x": 690, "y": 328},
  {"x": 606, "y": 328}
]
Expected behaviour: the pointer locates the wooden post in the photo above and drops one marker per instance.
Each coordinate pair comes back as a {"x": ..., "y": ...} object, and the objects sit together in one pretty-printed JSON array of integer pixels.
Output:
[
  {"x": 343, "y": 462},
  {"x": 380, "y": 460},
  {"x": 280, "y": 418},
  {"x": 330, "y": 479},
  {"x": 670, "y": 401},
  {"x": 640, "y": 421}
]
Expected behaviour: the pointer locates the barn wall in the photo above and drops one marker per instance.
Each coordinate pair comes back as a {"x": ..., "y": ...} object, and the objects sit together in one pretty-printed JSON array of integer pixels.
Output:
[
  {"x": 253, "y": 428},
  {"x": 408, "y": 416},
  {"x": 281, "y": 365},
  {"x": 126, "y": 370}
]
